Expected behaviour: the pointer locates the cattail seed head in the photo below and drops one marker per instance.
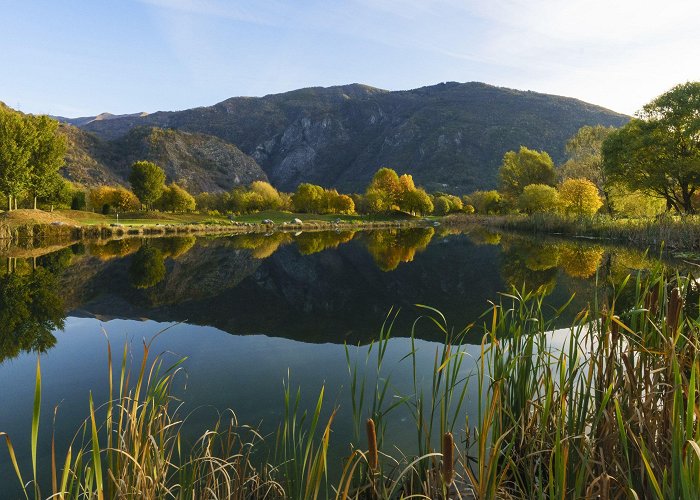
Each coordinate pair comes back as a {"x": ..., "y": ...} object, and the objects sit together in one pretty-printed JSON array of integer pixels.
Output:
[
  {"x": 373, "y": 452},
  {"x": 651, "y": 302},
  {"x": 675, "y": 305},
  {"x": 448, "y": 458}
]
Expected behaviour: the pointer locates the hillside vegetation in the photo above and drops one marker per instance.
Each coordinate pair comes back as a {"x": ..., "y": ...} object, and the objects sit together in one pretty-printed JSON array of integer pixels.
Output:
[
  {"x": 197, "y": 162},
  {"x": 450, "y": 137}
]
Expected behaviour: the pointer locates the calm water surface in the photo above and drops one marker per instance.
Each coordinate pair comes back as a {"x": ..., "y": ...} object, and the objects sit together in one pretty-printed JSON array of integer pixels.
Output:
[{"x": 252, "y": 311}]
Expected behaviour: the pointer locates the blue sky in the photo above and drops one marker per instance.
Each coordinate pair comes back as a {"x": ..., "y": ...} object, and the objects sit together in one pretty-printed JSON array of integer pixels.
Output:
[{"x": 76, "y": 58}]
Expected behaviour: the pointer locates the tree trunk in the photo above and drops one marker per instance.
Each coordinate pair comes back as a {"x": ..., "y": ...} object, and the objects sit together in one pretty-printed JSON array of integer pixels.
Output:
[
  {"x": 9, "y": 203},
  {"x": 34, "y": 202},
  {"x": 15, "y": 203},
  {"x": 688, "y": 202}
]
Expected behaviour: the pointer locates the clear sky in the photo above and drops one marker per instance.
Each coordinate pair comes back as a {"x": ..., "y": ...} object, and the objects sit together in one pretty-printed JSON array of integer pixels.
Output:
[{"x": 76, "y": 58}]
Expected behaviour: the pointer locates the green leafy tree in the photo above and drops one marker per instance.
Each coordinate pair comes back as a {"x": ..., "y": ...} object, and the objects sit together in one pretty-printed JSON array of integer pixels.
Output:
[
  {"x": 579, "y": 197},
  {"x": 585, "y": 159},
  {"x": 57, "y": 192},
  {"x": 307, "y": 198},
  {"x": 525, "y": 167},
  {"x": 176, "y": 199},
  {"x": 485, "y": 202},
  {"x": 271, "y": 199},
  {"x": 78, "y": 200},
  {"x": 538, "y": 198},
  {"x": 47, "y": 157},
  {"x": 17, "y": 140},
  {"x": 376, "y": 201},
  {"x": 441, "y": 205},
  {"x": 635, "y": 203},
  {"x": 147, "y": 182},
  {"x": 123, "y": 200},
  {"x": 417, "y": 202},
  {"x": 659, "y": 151},
  {"x": 343, "y": 204}
]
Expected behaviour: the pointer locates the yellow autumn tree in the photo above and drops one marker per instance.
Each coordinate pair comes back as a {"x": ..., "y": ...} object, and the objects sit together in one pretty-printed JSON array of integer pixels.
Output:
[{"x": 579, "y": 197}]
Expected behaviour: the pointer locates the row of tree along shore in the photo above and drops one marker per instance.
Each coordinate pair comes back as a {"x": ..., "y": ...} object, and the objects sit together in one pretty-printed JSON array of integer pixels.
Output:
[{"x": 647, "y": 168}]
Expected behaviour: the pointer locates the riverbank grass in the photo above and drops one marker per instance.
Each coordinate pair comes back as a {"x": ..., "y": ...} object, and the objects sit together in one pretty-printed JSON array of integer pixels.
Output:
[{"x": 672, "y": 232}]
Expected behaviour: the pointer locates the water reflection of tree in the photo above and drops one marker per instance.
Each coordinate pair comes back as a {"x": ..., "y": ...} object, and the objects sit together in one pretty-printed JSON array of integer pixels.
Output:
[
  {"x": 310, "y": 243},
  {"x": 264, "y": 245},
  {"x": 107, "y": 250},
  {"x": 147, "y": 267},
  {"x": 580, "y": 261},
  {"x": 391, "y": 247},
  {"x": 174, "y": 247},
  {"x": 530, "y": 265},
  {"x": 535, "y": 264},
  {"x": 31, "y": 307},
  {"x": 483, "y": 236},
  {"x": 261, "y": 245}
]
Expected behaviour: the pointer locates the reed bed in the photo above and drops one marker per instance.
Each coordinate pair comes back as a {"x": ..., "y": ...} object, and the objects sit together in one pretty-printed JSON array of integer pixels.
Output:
[
  {"x": 607, "y": 408},
  {"x": 673, "y": 232}
]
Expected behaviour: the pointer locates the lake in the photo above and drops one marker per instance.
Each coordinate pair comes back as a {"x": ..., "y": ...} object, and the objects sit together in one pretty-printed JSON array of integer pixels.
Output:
[{"x": 251, "y": 312}]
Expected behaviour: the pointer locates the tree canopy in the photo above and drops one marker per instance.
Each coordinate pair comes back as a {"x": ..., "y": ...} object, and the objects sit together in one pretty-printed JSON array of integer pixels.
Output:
[
  {"x": 525, "y": 167},
  {"x": 31, "y": 154},
  {"x": 579, "y": 197},
  {"x": 538, "y": 198},
  {"x": 176, "y": 199},
  {"x": 485, "y": 202},
  {"x": 147, "y": 181},
  {"x": 659, "y": 151},
  {"x": 389, "y": 191},
  {"x": 585, "y": 158},
  {"x": 46, "y": 158}
]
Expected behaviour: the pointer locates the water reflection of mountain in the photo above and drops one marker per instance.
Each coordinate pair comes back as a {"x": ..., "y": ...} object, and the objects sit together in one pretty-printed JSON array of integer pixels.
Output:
[{"x": 324, "y": 296}]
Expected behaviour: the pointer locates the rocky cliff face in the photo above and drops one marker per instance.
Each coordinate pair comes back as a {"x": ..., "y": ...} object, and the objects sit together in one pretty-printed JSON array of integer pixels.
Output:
[
  {"x": 450, "y": 136},
  {"x": 197, "y": 162}
]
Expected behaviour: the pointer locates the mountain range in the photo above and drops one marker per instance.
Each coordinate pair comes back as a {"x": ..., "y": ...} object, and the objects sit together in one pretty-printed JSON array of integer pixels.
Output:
[{"x": 450, "y": 137}]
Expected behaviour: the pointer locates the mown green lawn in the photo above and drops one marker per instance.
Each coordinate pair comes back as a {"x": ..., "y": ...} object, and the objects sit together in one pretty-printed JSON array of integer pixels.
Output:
[{"x": 139, "y": 218}]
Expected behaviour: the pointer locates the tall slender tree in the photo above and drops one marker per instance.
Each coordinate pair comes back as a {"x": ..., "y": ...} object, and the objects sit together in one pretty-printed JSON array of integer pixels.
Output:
[
  {"x": 47, "y": 156},
  {"x": 16, "y": 143}
]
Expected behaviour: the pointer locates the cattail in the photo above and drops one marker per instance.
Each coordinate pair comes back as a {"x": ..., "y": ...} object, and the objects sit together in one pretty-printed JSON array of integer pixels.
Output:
[
  {"x": 675, "y": 304},
  {"x": 615, "y": 327},
  {"x": 603, "y": 316},
  {"x": 651, "y": 303},
  {"x": 447, "y": 458},
  {"x": 373, "y": 453}
]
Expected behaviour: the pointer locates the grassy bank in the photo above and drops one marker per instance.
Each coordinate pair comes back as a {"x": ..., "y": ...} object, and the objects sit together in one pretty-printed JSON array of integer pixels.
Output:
[
  {"x": 676, "y": 233},
  {"x": 607, "y": 408}
]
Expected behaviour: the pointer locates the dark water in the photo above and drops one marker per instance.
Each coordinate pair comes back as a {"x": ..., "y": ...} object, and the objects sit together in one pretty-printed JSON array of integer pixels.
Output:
[{"x": 252, "y": 311}]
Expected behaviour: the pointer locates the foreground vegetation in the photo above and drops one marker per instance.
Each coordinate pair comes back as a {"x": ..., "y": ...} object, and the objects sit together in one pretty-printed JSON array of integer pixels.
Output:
[{"x": 606, "y": 408}]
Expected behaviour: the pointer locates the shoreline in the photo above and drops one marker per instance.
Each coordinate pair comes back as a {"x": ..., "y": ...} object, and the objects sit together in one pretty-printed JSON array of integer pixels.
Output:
[
  {"x": 669, "y": 233},
  {"x": 41, "y": 235}
]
